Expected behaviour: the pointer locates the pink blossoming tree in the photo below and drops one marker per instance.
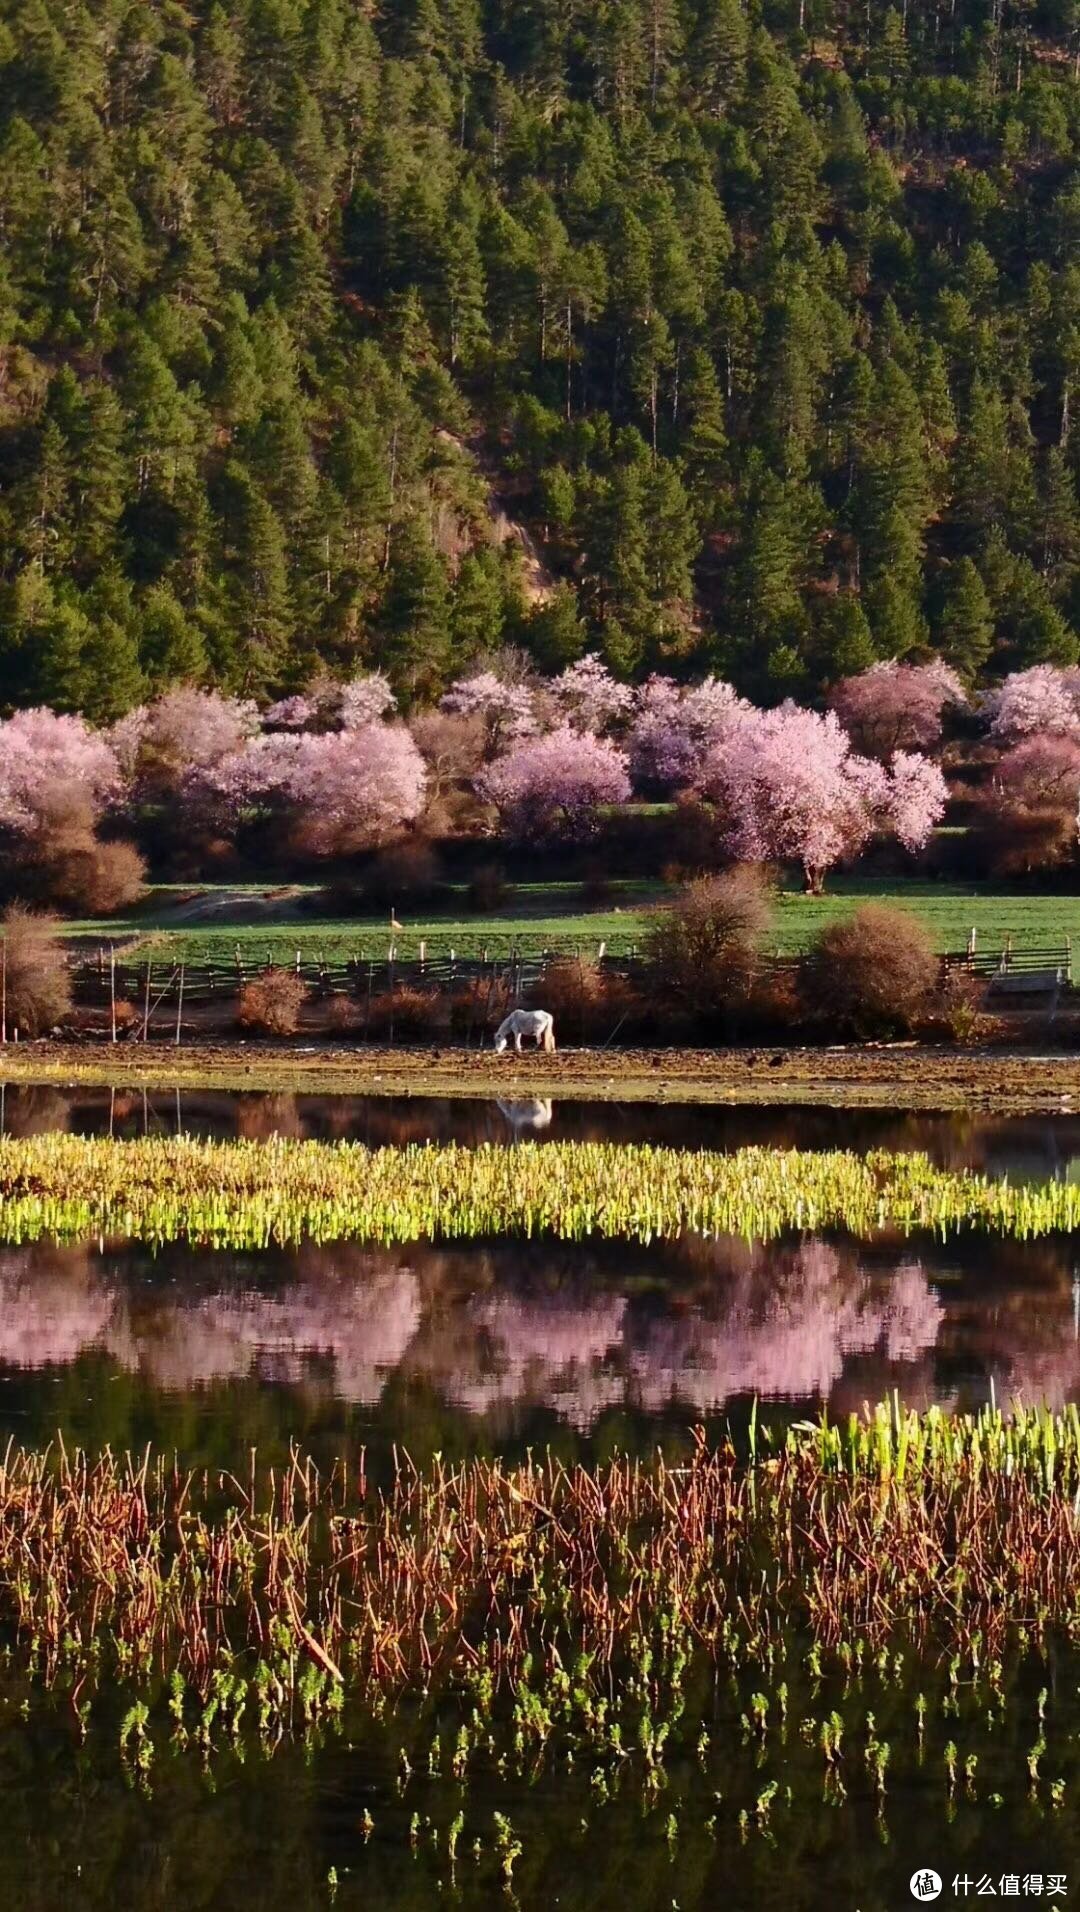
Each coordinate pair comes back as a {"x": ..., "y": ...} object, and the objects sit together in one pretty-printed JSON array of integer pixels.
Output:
[
  {"x": 1041, "y": 772},
  {"x": 790, "y": 789},
  {"x": 339, "y": 790},
  {"x": 48, "y": 761},
  {"x": 552, "y": 787},
  {"x": 897, "y": 706},
  {"x": 184, "y": 731},
  {"x": 508, "y": 711},
  {"x": 674, "y": 728},
  {"x": 1041, "y": 701},
  {"x": 588, "y": 697},
  {"x": 328, "y": 704}
]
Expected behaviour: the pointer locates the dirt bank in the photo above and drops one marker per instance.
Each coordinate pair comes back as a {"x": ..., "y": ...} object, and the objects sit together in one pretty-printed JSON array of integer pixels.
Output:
[{"x": 890, "y": 1076}]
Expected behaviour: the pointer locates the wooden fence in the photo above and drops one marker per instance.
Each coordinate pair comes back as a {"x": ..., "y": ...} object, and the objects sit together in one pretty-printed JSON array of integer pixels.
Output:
[
  {"x": 154, "y": 995},
  {"x": 1029, "y": 960}
]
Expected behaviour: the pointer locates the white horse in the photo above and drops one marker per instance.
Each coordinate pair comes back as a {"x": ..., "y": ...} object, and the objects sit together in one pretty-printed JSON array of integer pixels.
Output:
[{"x": 526, "y": 1022}]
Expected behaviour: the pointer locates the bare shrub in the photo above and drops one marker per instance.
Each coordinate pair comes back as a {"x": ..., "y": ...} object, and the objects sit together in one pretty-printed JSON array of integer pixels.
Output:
[
  {"x": 270, "y": 1004},
  {"x": 64, "y": 862},
  {"x": 37, "y": 984},
  {"x": 705, "y": 950},
  {"x": 406, "y": 874},
  {"x": 488, "y": 891},
  {"x": 588, "y": 1002},
  {"x": 96, "y": 878},
  {"x": 958, "y": 1012},
  {"x": 1021, "y": 841},
  {"x": 343, "y": 1015},
  {"x": 872, "y": 973},
  {"x": 693, "y": 839},
  {"x": 479, "y": 1004},
  {"x": 408, "y": 1013}
]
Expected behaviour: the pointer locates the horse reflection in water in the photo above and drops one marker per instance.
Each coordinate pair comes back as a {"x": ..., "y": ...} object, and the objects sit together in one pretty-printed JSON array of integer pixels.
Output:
[{"x": 527, "y": 1117}]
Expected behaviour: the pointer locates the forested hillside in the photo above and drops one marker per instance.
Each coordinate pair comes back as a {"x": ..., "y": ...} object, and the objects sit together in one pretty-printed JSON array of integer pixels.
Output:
[{"x": 763, "y": 322}]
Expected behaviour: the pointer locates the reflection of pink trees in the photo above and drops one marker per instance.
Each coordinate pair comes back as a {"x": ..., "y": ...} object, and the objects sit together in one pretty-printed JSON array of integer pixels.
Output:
[
  {"x": 357, "y": 1319},
  {"x": 360, "y": 1328},
  {"x": 53, "y": 1305},
  {"x": 786, "y": 1336},
  {"x": 552, "y": 1349},
  {"x": 487, "y": 1329}
]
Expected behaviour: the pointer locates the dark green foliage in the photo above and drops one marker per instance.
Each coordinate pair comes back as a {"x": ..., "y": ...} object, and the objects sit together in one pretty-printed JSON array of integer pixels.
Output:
[{"x": 765, "y": 325}]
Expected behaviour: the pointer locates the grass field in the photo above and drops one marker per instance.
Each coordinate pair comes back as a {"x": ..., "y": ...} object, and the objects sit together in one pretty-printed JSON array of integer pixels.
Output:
[{"x": 274, "y": 924}]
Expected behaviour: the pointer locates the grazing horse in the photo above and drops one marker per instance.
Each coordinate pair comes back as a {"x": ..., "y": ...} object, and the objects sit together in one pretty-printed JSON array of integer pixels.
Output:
[{"x": 526, "y": 1022}]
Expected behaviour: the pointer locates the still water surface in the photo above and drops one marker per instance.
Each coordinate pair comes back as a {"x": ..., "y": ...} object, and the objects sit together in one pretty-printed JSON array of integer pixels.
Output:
[{"x": 501, "y": 1347}]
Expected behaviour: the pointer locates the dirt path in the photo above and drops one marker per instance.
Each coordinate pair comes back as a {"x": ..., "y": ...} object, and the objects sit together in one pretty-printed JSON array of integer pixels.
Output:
[{"x": 890, "y": 1076}]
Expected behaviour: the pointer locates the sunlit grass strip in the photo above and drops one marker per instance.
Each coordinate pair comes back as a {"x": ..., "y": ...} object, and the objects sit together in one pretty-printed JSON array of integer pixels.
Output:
[
  {"x": 278, "y": 1593},
  {"x": 247, "y": 1194}
]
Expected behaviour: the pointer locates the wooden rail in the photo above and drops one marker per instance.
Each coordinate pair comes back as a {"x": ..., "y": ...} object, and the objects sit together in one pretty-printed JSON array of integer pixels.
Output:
[{"x": 162, "y": 991}]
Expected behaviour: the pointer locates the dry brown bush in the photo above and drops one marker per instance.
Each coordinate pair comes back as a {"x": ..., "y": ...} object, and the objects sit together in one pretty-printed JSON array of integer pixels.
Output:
[
  {"x": 705, "y": 950},
  {"x": 405, "y": 875},
  {"x": 1021, "y": 841},
  {"x": 957, "y": 1013},
  {"x": 36, "y": 981},
  {"x": 270, "y": 1004},
  {"x": 589, "y": 1003},
  {"x": 872, "y": 973},
  {"x": 488, "y": 890},
  {"x": 96, "y": 879},
  {"x": 693, "y": 840},
  {"x": 478, "y": 1004},
  {"x": 407, "y": 1013},
  {"x": 343, "y": 1015}
]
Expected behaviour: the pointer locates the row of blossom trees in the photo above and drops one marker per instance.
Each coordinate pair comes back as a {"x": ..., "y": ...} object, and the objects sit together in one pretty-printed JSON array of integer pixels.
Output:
[{"x": 335, "y": 770}]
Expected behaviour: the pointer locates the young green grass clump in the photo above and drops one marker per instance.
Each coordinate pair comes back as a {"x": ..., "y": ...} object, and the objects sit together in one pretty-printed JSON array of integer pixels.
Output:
[{"x": 246, "y": 1194}]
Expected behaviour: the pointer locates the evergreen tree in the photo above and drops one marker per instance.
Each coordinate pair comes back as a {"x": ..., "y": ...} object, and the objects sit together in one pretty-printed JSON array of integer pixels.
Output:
[{"x": 964, "y": 623}]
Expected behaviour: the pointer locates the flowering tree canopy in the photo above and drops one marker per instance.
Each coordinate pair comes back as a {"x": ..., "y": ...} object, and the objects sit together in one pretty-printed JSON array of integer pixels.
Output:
[
  {"x": 47, "y": 760},
  {"x": 184, "y": 730},
  {"x": 508, "y": 710},
  {"x": 345, "y": 789},
  {"x": 328, "y": 704},
  {"x": 1041, "y": 772},
  {"x": 897, "y": 706},
  {"x": 673, "y": 728},
  {"x": 588, "y": 697},
  {"x": 365, "y": 700},
  {"x": 552, "y": 786},
  {"x": 1043, "y": 700},
  {"x": 914, "y": 801},
  {"x": 790, "y": 789}
]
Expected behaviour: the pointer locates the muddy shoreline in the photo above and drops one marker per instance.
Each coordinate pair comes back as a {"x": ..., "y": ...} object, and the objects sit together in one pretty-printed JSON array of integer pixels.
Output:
[{"x": 900, "y": 1076}]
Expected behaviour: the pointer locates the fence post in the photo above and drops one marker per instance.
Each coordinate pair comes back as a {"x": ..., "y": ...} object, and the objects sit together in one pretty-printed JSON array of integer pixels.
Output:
[
  {"x": 112, "y": 998},
  {"x": 180, "y": 1010},
  {"x": 146, "y": 1003}
]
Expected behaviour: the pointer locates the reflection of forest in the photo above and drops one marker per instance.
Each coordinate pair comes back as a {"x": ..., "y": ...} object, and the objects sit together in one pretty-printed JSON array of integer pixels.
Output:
[
  {"x": 686, "y": 1326},
  {"x": 1033, "y": 1147}
]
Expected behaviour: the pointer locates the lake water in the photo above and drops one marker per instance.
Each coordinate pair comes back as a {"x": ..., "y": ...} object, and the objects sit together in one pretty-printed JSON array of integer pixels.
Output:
[{"x": 502, "y": 1347}]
